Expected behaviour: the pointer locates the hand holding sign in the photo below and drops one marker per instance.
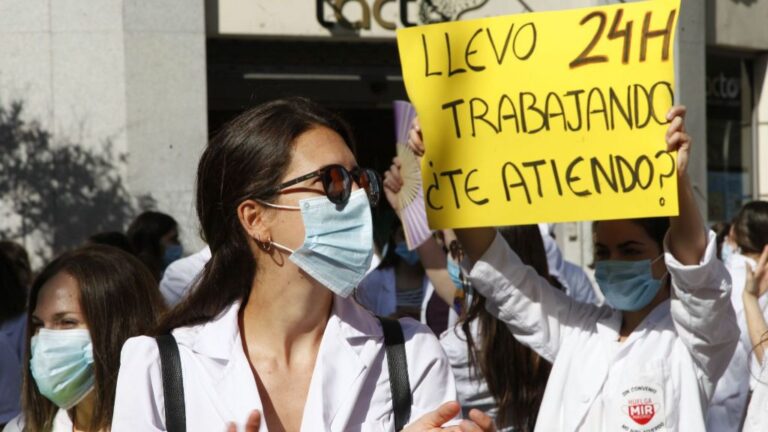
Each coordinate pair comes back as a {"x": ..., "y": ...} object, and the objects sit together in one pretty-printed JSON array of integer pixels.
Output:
[
  {"x": 677, "y": 139},
  {"x": 525, "y": 125}
]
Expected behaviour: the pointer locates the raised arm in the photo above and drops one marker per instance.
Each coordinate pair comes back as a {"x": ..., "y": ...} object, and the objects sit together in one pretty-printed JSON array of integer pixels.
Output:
[
  {"x": 701, "y": 307},
  {"x": 755, "y": 287},
  {"x": 534, "y": 311},
  {"x": 687, "y": 235}
]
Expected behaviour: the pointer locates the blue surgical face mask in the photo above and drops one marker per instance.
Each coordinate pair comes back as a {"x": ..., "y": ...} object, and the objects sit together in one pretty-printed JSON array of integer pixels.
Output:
[
  {"x": 62, "y": 365},
  {"x": 409, "y": 256},
  {"x": 627, "y": 285},
  {"x": 727, "y": 252},
  {"x": 172, "y": 253},
  {"x": 455, "y": 272},
  {"x": 338, "y": 241}
]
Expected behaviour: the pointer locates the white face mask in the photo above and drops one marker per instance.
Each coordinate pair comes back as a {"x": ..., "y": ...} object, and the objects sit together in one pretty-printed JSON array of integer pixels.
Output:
[
  {"x": 62, "y": 365},
  {"x": 727, "y": 252}
]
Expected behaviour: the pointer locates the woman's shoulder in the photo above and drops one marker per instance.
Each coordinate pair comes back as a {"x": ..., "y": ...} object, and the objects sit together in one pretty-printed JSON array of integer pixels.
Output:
[
  {"x": 139, "y": 350},
  {"x": 417, "y": 336},
  {"x": 218, "y": 331},
  {"x": 15, "y": 425},
  {"x": 61, "y": 423}
]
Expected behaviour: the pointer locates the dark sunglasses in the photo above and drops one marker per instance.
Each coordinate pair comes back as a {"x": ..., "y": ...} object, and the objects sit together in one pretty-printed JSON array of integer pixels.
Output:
[{"x": 337, "y": 183}]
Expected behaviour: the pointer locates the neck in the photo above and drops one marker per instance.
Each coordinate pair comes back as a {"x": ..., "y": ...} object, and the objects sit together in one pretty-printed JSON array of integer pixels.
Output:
[
  {"x": 632, "y": 319},
  {"x": 83, "y": 412},
  {"x": 286, "y": 313}
]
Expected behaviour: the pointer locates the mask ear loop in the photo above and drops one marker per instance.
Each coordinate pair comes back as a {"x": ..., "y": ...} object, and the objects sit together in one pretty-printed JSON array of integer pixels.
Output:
[
  {"x": 666, "y": 271},
  {"x": 269, "y": 245}
]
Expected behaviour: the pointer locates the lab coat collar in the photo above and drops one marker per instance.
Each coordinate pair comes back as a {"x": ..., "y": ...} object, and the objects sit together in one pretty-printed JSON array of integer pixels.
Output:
[
  {"x": 217, "y": 338},
  {"x": 351, "y": 343},
  {"x": 610, "y": 325}
]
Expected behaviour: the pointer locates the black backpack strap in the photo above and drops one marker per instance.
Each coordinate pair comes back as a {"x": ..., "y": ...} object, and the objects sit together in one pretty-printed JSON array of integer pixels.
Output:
[
  {"x": 173, "y": 384},
  {"x": 394, "y": 344}
]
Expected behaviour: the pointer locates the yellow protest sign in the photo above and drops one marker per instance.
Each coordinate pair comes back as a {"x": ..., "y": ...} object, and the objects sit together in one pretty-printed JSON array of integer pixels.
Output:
[{"x": 549, "y": 116}]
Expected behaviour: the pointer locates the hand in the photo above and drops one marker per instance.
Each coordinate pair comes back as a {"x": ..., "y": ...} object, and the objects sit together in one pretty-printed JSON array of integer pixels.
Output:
[
  {"x": 677, "y": 139},
  {"x": 252, "y": 425},
  {"x": 481, "y": 422},
  {"x": 757, "y": 278},
  {"x": 415, "y": 141},
  {"x": 393, "y": 182},
  {"x": 433, "y": 421}
]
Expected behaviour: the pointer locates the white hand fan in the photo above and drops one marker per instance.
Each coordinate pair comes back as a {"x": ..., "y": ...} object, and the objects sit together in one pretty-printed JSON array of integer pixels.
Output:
[{"x": 411, "y": 196}]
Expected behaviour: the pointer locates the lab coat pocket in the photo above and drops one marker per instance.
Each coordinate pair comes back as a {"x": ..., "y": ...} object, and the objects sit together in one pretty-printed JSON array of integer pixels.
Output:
[{"x": 639, "y": 405}]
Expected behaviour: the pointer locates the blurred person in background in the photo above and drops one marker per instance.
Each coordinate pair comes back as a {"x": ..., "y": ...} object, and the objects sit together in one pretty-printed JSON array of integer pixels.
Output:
[
  {"x": 154, "y": 237},
  {"x": 83, "y": 306},
  {"x": 570, "y": 276},
  {"x": 114, "y": 239},
  {"x": 724, "y": 247},
  {"x": 494, "y": 372},
  {"x": 13, "y": 302},
  {"x": 20, "y": 260},
  {"x": 747, "y": 236},
  {"x": 418, "y": 282},
  {"x": 397, "y": 287},
  {"x": 180, "y": 276}
]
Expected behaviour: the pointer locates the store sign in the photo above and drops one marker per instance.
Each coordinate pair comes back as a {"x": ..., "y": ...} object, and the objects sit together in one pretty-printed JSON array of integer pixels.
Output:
[
  {"x": 724, "y": 86},
  {"x": 548, "y": 116},
  {"x": 429, "y": 11},
  {"x": 343, "y": 18}
]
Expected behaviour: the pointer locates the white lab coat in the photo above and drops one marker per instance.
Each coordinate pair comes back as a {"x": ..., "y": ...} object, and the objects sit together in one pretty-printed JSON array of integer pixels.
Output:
[
  {"x": 470, "y": 385},
  {"x": 181, "y": 274},
  {"x": 61, "y": 423},
  {"x": 660, "y": 378},
  {"x": 349, "y": 389},
  {"x": 729, "y": 402}
]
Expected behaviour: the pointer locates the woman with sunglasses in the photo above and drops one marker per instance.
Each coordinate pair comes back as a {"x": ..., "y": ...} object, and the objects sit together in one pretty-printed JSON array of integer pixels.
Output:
[
  {"x": 650, "y": 359},
  {"x": 269, "y": 332}
]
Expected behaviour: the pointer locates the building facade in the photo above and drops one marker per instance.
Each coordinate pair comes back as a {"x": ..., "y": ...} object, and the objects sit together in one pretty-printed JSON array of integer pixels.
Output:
[{"x": 155, "y": 79}]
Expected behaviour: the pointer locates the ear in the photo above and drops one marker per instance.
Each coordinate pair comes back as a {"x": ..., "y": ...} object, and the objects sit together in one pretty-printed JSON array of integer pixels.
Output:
[{"x": 252, "y": 216}]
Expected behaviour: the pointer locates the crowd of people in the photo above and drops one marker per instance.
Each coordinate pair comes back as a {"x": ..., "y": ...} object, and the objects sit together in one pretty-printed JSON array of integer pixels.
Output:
[{"x": 293, "y": 318}]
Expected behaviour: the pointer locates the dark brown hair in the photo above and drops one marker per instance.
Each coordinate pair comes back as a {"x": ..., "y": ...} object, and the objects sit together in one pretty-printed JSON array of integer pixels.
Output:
[
  {"x": 20, "y": 259},
  {"x": 751, "y": 227},
  {"x": 516, "y": 376},
  {"x": 13, "y": 294},
  {"x": 145, "y": 234},
  {"x": 243, "y": 161},
  {"x": 119, "y": 299}
]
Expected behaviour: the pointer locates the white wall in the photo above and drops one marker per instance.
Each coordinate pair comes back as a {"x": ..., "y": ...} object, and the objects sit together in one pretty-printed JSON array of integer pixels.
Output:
[{"x": 130, "y": 72}]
